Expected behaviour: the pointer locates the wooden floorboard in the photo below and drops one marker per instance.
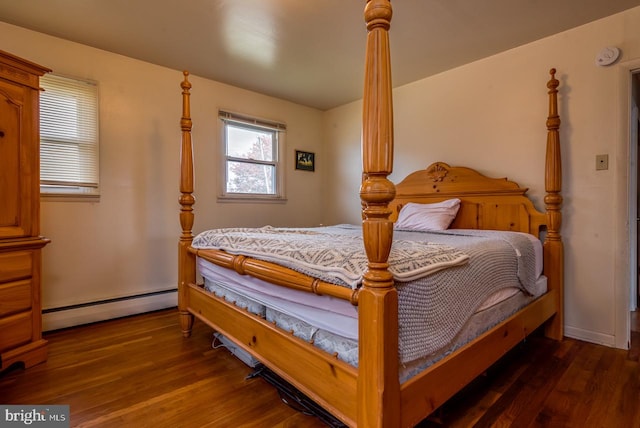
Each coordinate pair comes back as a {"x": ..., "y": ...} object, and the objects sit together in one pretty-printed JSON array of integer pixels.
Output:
[{"x": 140, "y": 372}]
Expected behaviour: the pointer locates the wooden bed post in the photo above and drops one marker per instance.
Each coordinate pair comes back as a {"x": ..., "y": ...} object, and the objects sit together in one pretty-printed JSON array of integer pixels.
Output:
[
  {"x": 186, "y": 260},
  {"x": 553, "y": 247},
  {"x": 378, "y": 384}
]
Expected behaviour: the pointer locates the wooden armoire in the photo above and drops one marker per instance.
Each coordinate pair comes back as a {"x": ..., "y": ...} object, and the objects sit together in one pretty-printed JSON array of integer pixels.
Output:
[{"x": 20, "y": 241}]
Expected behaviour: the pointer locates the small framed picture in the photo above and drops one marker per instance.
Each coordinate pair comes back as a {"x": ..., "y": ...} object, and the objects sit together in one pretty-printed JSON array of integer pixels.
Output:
[{"x": 305, "y": 161}]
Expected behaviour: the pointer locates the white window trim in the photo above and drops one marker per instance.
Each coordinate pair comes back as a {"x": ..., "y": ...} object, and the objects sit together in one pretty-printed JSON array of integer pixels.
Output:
[{"x": 280, "y": 128}]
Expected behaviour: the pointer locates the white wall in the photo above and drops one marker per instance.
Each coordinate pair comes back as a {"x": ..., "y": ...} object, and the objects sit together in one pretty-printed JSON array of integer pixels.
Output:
[
  {"x": 126, "y": 243},
  {"x": 490, "y": 115}
]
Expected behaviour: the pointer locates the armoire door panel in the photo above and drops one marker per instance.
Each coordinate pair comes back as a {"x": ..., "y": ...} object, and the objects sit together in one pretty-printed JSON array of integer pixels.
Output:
[{"x": 11, "y": 180}]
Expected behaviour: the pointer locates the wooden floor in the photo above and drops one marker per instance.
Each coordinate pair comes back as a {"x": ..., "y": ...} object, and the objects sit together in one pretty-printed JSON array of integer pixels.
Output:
[
  {"x": 634, "y": 352},
  {"x": 140, "y": 372}
]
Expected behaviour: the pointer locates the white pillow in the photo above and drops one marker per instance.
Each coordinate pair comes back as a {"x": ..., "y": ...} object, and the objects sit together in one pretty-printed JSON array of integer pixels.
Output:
[{"x": 422, "y": 217}]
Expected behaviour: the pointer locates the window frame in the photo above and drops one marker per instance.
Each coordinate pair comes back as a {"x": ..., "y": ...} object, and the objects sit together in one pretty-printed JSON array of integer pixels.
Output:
[
  {"x": 59, "y": 188},
  {"x": 253, "y": 124}
]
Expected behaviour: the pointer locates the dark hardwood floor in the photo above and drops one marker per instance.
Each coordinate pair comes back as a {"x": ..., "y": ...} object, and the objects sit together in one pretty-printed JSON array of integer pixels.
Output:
[
  {"x": 634, "y": 352},
  {"x": 140, "y": 372}
]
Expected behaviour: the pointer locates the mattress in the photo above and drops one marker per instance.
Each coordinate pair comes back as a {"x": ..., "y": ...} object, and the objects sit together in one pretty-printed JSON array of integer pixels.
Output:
[{"x": 498, "y": 307}]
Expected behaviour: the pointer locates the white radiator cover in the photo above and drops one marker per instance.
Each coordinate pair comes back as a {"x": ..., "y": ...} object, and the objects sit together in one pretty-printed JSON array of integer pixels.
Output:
[{"x": 55, "y": 319}]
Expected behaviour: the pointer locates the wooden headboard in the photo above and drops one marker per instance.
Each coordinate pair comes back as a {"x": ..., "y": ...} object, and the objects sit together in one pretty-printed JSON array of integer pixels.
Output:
[{"x": 487, "y": 203}]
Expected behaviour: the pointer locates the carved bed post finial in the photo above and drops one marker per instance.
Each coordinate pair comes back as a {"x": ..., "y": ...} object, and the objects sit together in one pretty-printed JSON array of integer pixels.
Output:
[
  {"x": 186, "y": 261},
  {"x": 553, "y": 246},
  {"x": 378, "y": 385}
]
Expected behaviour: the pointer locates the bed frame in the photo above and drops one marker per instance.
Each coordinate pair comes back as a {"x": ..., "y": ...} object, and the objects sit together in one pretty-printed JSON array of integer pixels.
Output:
[{"x": 371, "y": 395}]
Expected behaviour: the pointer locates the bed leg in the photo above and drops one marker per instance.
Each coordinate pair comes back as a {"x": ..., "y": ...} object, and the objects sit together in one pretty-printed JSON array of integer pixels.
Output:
[
  {"x": 554, "y": 270},
  {"x": 186, "y": 322},
  {"x": 554, "y": 256},
  {"x": 554, "y": 328}
]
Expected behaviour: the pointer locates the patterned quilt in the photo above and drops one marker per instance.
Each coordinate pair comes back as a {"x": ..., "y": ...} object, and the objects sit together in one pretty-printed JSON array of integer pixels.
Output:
[{"x": 334, "y": 254}]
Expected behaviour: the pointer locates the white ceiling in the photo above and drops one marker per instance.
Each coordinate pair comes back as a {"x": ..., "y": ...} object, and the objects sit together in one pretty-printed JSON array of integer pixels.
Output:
[{"x": 309, "y": 52}]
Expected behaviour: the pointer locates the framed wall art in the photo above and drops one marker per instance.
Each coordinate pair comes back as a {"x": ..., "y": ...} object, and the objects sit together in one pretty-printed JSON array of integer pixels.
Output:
[{"x": 305, "y": 161}]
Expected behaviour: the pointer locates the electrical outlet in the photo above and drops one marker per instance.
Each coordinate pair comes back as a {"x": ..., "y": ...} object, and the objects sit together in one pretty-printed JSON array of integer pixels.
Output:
[{"x": 602, "y": 162}]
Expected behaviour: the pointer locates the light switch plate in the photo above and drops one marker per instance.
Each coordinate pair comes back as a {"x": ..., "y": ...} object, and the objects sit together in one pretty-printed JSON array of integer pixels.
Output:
[{"x": 602, "y": 162}]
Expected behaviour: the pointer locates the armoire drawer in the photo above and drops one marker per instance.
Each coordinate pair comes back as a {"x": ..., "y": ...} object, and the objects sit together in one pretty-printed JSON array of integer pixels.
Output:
[
  {"x": 15, "y": 265},
  {"x": 16, "y": 330},
  {"x": 15, "y": 297}
]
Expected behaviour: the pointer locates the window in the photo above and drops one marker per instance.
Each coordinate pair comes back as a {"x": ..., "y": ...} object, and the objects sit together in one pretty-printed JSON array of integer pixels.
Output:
[
  {"x": 68, "y": 136},
  {"x": 252, "y": 150}
]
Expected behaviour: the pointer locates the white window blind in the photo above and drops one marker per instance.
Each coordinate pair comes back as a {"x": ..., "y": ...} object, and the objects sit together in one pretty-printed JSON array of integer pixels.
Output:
[{"x": 68, "y": 136}]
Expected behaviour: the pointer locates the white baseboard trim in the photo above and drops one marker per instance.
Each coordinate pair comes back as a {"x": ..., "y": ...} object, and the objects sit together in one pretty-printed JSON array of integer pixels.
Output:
[
  {"x": 590, "y": 336},
  {"x": 57, "y": 318}
]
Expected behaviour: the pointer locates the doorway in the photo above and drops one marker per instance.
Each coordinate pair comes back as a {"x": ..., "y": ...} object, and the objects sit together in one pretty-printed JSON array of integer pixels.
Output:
[{"x": 634, "y": 208}]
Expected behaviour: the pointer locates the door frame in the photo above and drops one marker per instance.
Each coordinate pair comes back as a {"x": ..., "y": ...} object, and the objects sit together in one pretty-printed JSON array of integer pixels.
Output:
[
  {"x": 634, "y": 188},
  {"x": 625, "y": 194}
]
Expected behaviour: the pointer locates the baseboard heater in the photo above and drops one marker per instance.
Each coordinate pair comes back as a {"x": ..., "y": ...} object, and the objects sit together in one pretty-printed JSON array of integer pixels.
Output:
[{"x": 102, "y": 310}]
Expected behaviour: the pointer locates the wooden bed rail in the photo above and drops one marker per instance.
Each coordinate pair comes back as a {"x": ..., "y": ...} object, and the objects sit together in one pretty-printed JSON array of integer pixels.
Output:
[
  {"x": 276, "y": 274},
  {"x": 378, "y": 394}
]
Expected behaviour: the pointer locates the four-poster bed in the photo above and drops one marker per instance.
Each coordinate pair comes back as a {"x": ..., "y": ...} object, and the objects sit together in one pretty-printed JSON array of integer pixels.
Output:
[{"x": 372, "y": 392}]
